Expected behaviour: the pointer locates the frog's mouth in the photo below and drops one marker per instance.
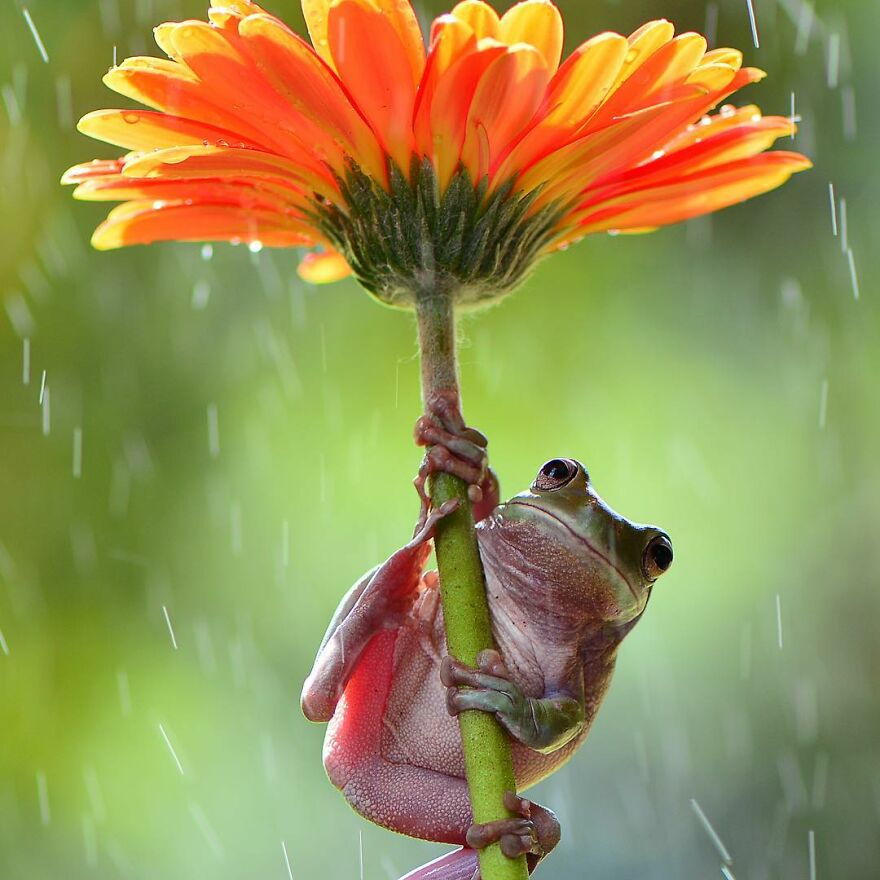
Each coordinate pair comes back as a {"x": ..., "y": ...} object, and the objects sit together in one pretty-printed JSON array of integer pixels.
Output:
[{"x": 582, "y": 540}]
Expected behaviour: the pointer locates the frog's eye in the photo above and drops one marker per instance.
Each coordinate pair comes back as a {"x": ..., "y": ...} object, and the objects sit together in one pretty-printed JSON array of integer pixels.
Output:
[
  {"x": 558, "y": 472},
  {"x": 657, "y": 557}
]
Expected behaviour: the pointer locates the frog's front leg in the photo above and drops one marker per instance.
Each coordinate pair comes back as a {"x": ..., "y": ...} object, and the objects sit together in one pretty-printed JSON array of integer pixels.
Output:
[
  {"x": 454, "y": 448},
  {"x": 379, "y": 600},
  {"x": 543, "y": 724}
]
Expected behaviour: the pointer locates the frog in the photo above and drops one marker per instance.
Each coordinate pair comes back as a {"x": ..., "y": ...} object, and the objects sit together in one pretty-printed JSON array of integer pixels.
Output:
[{"x": 566, "y": 579}]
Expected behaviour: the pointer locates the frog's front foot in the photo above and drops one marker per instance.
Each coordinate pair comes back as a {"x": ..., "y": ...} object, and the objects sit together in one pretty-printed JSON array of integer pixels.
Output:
[
  {"x": 532, "y": 832},
  {"x": 488, "y": 688},
  {"x": 453, "y": 448}
]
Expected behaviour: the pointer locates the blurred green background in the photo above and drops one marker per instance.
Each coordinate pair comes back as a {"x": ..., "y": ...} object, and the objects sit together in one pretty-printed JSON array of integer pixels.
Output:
[{"x": 246, "y": 454}]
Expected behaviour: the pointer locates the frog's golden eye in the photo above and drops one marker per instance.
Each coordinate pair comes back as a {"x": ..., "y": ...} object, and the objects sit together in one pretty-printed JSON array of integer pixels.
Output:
[
  {"x": 558, "y": 472},
  {"x": 657, "y": 557}
]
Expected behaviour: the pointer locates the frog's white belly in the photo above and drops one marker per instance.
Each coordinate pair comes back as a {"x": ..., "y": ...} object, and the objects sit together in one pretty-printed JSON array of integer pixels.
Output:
[{"x": 418, "y": 730}]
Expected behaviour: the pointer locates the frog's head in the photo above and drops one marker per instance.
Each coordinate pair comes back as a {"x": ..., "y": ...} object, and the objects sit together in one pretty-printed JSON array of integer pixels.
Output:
[{"x": 611, "y": 563}]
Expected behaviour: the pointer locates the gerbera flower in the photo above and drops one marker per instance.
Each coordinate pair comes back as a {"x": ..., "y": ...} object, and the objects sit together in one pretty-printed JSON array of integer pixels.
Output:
[{"x": 458, "y": 165}]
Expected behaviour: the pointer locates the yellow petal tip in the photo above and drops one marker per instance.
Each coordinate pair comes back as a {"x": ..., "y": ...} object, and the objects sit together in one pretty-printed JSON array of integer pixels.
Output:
[{"x": 323, "y": 268}]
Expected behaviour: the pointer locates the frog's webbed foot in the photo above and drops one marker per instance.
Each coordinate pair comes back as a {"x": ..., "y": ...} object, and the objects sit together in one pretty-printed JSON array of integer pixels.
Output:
[
  {"x": 428, "y": 519},
  {"x": 488, "y": 688},
  {"x": 533, "y": 832},
  {"x": 453, "y": 448}
]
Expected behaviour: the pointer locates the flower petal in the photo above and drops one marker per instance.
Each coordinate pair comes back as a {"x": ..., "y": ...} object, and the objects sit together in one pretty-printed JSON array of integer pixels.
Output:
[
  {"x": 701, "y": 193},
  {"x": 576, "y": 90},
  {"x": 399, "y": 15},
  {"x": 306, "y": 83},
  {"x": 481, "y": 17},
  {"x": 652, "y": 80},
  {"x": 374, "y": 64},
  {"x": 199, "y": 162},
  {"x": 150, "y": 130},
  {"x": 726, "y": 145},
  {"x": 316, "y": 14},
  {"x": 226, "y": 74},
  {"x": 95, "y": 169},
  {"x": 451, "y": 39},
  {"x": 173, "y": 89},
  {"x": 323, "y": 268},
  {"x": 451, "y": 105},
  {"x": 253, "y": 193},
  {"x": 505, "y": 101},
  {"x": 147, "y": 222},
  {"x": 538, "y": 23}
]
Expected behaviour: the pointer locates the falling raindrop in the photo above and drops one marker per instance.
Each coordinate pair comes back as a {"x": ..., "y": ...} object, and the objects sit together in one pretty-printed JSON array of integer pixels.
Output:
[
  {"x": 124, "y": 689},
  {"x": 36, "y": 35},
  {"x": 286, "y": 860},
  {"x": 207, "y": 830},
  {"x": 171, "y": 749},
  {"x": 213, "y": 431},
  {"x": 26, "y": 361},
  {"x": 43, "y": 798},
  {"x": 713, "y": 834},
  {"x": 753, "y": 24},
  {"x": 77, "y": 453},
  {"x": 779, "y": 621}
]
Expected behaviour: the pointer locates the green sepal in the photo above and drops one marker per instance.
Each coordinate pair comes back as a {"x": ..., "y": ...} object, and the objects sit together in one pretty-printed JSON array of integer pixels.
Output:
[{"x": 410, "y": 238}]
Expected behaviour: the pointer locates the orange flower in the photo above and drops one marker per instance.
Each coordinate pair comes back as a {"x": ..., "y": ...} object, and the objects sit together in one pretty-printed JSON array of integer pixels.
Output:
[{"x": 465, "y": 161}]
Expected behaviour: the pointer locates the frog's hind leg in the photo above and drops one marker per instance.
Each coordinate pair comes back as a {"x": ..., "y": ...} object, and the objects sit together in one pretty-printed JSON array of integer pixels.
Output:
[
  {"x": 414, "y": 800},
  {"x": 379, "y": 600},
  {"x": 404, "y": 797},
  {"x": 461, "y": 864}
]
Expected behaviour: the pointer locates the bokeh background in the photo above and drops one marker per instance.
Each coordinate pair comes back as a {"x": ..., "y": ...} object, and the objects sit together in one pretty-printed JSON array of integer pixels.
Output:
[{"x": 221, "y": 443}]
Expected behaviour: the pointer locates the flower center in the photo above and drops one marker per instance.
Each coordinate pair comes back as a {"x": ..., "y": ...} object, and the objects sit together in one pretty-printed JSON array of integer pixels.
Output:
[{"x": 413, "y": 240}]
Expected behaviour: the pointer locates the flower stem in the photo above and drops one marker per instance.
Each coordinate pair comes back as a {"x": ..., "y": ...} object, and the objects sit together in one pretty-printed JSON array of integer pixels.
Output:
[{"x": 488, "y": 762}]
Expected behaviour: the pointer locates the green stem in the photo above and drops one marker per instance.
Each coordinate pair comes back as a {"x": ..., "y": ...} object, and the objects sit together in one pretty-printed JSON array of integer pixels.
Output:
[{"x": 487, "y": 758}]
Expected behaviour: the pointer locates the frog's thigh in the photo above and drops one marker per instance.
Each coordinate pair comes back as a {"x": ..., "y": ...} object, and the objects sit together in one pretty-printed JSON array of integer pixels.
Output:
[{"x": 408, "y": 799}]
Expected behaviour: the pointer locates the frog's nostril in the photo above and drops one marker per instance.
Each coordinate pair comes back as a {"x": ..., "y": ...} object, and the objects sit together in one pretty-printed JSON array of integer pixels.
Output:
[{"x": 657, "y": 557}]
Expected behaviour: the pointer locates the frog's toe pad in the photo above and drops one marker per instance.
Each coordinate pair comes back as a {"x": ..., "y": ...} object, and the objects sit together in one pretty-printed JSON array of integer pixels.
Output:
[{"x": 517, "y": 836}]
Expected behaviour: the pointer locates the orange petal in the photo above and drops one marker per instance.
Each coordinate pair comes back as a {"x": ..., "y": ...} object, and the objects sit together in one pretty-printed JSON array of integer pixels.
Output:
[
  {"x": 451, "y": 105},
  {"x": 538, "y": 23},
  {"x": 323, "y": 268},
  {"x": 709, "y": 126},
  {"x": 257, "y": 194},
  {"x": 731, "y": 57},
  {"x": 614, "y": 148},
  {"x": 643, "y": 43},
  {"x": 316, "y": 14},
  {"x": 702, "y": 193},
  {"x": 150, "y": 130},
  {"x": 585, "y": 79},
  {"x": 97, "y": 168},
  {"x": 194, "y": 162},
  {"x": 308, "y": 85},
  {"x": 172, "y": 88},
  {"x": 147, "y": 222},
  {"x": 226, "y": 74},
  {"x": 482, "y": 18},
  {"x": 399, "y": 15},
  {"x": 505, "y": 101},
  {"x": 579, "y": 86},
  {"x": 451, "y": 39},
  {"x": 651, "y": 81},
  {"x": 375, "y": 66},
  {"x": 625, "y": 142},
  {"x": 728, "y": 145},
  {"x": 711, "y": 76}
]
